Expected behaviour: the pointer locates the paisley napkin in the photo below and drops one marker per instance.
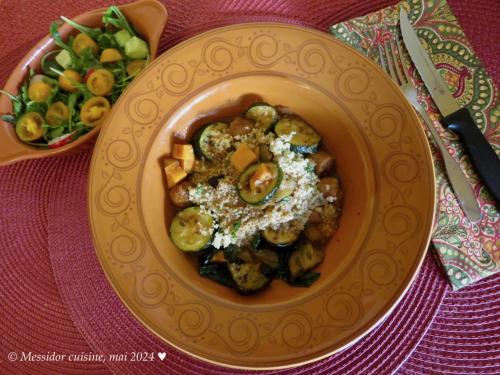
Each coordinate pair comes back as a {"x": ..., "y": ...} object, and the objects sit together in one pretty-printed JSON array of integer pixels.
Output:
[{"x": 468, "y": 251}]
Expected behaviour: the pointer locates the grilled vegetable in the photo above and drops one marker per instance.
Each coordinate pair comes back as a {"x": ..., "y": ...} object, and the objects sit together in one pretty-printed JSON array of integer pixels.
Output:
[
  {"x": 330, "y": 188},
  {"x": 265, "y": 154},
  {"x": 323, "y": 162},
  {"x": 206, "y": 137},
  {"x": 240, "y": 126},
  {"x": 191, "y": 229},
  {"x": 280, "y": 237},
  {"x": 268, "y": 257},
  {"x": 263, "y": 114},
  {"x": 305, "y": 139},
  {"x": 259, "y": 182},
  {"x": 304, "y": 258},
  {"x": 218, "y": 257},
  {"x": 247, "y": 276},
  {"x": 179, "y": 194}
]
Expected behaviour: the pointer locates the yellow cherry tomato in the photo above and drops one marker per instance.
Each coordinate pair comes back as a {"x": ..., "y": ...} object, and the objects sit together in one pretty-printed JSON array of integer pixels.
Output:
[
  {"x": 68, "y": 79},
  {"x": 39, "y": 91},
  {"x": 94, "y": 110},
  {"x": 110, "y": 55},
  {"x": 57, "y": 114},
  {"x": 29, "y": 127},
  {"x": 83, "y": 41},
  {"x": 101, "y": 82},
  {"x": 135, "y": 66}
]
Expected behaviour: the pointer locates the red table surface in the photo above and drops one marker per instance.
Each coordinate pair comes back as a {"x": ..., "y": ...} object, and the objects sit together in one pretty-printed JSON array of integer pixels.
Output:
[{"x": 465, "y": 334}]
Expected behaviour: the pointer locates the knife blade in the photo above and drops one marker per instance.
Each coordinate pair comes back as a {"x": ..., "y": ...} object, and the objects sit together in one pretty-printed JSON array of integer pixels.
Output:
[{"x": 455, "y": 118}]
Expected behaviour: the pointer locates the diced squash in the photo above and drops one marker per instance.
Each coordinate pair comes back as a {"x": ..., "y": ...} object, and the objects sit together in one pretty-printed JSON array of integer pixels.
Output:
[
  {"x": 243, "y": 157},
  {"x": 182, "y": 152},
  {"x": 261, "y": 175},
  {"x": 187, "y": 165},
  {"x": 174, "y": 172},
  {"x": 218, "y": 257}
]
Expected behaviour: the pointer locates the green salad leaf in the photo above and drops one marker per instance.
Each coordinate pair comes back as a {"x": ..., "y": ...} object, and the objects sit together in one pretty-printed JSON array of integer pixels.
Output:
[
  {"x": 115, "y": 17},
  {"x": 94, "y": 33},
  {"x": 54, "y": 32}
]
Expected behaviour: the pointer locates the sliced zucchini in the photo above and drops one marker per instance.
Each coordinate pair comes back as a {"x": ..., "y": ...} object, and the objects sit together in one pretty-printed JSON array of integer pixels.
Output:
[
  {"x": 206, "y": 137},
  {"x": 305, "y": 140},
  {"x": 247, "y": 276},
  {"x": 259, "y": 193},
  {"x": 191, "y": 229},
  {"x": 286, "y": 189},
  {"x": 268, "y": 257},
  {"x": 264, "y": 115},
  {"x": 304, "y": 258},
  {"x": 280, "y": 237}
]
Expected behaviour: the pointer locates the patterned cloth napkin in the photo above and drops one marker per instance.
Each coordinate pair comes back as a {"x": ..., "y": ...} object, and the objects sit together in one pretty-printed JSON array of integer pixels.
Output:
[{"x": 468, "y": 251}]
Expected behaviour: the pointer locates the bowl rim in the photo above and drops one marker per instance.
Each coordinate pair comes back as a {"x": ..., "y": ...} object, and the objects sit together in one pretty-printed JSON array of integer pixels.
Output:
[{"x": 402, "y": 289}]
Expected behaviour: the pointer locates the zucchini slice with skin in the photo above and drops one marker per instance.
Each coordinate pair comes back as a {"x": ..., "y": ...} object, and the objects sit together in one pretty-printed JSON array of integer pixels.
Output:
[
  {"x": 191, "y": 230},
  {"x": 280, "y": 237},
  {"x": 268, "y": 257},
  {"x": 304, "y": 258},
  {"x": 264, "y": 192},
  {"x": 204, "y": 139},
  {"x": 305, "y": 140},
  {"x": 264, "y": 115},
  {"x": 247, "y": 276}
]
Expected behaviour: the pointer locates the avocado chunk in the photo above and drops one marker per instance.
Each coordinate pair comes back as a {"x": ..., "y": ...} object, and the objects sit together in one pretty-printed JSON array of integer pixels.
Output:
[
  {"x": 122, "y": 37},
  {"x": 63, "y": 58},
  {"x": 136, "y": 48}
]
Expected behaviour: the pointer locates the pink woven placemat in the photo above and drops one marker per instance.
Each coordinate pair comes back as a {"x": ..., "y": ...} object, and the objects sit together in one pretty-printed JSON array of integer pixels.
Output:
[{"x": 54, "y": 296}]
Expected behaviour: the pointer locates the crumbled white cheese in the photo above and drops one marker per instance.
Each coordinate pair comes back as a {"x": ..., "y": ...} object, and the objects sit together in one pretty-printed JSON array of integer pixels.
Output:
[{"x": 226, "y": 208}]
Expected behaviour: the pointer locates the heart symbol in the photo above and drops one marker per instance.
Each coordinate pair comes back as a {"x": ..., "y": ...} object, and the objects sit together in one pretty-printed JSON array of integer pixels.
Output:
[{"x": 162, "y": 355}]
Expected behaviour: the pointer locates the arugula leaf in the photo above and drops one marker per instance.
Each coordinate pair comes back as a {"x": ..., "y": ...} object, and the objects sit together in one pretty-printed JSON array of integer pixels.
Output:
[
  {"x": 18, "y": 104},
  {"x": 106, "y": 40},
  {"x": 40, "y": 107},
  {"x": 113, "y": 16},
  {"x": 54, "y": 32},
  {"x": 72, "y": 98},
  {"x": 94, "y": 33}
]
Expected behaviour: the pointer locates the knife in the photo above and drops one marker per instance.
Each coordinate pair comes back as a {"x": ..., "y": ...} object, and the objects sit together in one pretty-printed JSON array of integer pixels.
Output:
[{"x": 455, "y": 118}]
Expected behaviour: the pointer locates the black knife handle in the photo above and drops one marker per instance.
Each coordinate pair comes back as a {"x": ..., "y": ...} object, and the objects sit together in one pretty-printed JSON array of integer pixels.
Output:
[{"x": 481, "y": 153}]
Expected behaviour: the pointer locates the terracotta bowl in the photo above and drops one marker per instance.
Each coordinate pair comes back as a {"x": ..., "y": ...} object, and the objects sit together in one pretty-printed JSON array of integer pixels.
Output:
[
  {"x": 148, "y": 17},
  {"x": 383, "y": 161}
]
